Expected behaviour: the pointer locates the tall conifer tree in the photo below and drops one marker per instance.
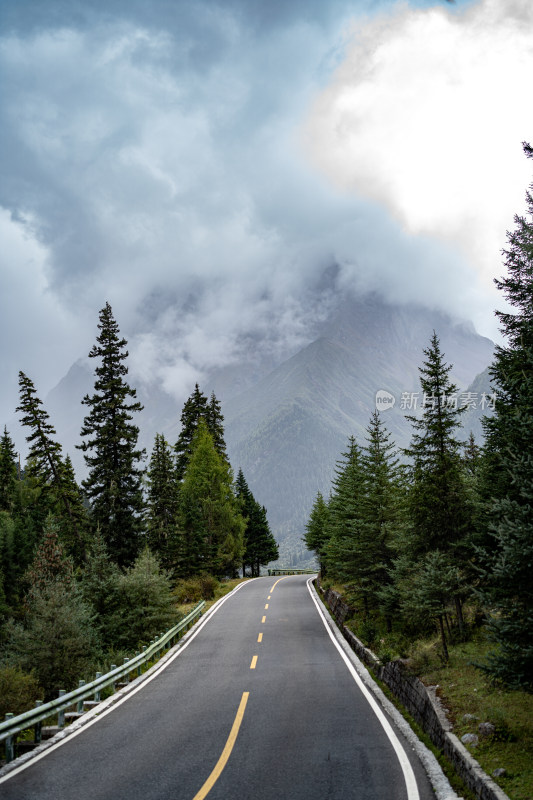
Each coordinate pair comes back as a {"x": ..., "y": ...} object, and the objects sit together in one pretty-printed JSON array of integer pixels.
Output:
[
  {"x": 45, "y": 465},
  {"x": 162, "y": 503},
  {"x": 345, "y": 514},
  {"x": 113, "y": 485},
  {"x": 317, "y": 531},
  {"x": 8, "y": 472},
  {"x": 212, "y": 525},
  {"x": 260, "y": 545},
  {"x": 437, "y": 500},
  {"x": 198, "y": 407}
]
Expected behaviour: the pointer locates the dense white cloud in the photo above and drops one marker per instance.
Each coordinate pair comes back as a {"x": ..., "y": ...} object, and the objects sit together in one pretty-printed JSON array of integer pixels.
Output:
[{"x": 427, "y": 114}]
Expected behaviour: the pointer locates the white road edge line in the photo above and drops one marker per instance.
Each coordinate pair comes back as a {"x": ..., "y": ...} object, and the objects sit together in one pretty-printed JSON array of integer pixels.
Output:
[
  {"x": 68, "y": 736},
  {"x": 408, "y": 774},
  {"x": 440, "y": 784}
]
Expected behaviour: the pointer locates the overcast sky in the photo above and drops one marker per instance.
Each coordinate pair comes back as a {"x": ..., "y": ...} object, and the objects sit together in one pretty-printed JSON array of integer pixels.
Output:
[{"x": 200, "y": 165}]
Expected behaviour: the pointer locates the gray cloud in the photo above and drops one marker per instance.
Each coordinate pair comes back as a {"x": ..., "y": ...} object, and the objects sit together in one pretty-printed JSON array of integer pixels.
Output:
[{"x": 152, "y": 158}]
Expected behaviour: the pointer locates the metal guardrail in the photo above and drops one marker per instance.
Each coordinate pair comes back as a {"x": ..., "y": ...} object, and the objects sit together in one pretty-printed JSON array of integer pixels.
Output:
[
  {"x": 292, "y": 571},
  {"x": 35, "y": 717}
]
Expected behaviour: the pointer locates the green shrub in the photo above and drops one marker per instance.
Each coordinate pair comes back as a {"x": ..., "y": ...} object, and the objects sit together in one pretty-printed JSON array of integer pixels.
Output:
[
  {"x": 18, "y": 691},
  {"x": 194, "y": 589}
]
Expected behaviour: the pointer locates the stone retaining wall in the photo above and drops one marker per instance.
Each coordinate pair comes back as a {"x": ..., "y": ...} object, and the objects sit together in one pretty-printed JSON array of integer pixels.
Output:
[{"x": 421, "y": 702}]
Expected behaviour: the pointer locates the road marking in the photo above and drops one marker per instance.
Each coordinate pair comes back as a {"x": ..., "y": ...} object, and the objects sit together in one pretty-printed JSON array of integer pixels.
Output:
[
  {"x": 268, "y": 598},
  {"x": 263, "y": 620},
  {"x": 408, "y": 774},
  {"x": 260, "y": 637},
  {"x": 254, "y": 662},
  {"x": 266, "y": 606},
  {"x": 278, "y": 580},
  {"x": 222, "y": 761}
]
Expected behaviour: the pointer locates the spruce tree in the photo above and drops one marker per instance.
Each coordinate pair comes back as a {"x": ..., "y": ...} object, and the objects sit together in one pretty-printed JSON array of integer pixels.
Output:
[
  {"x": 45, "y": 463},
  {"x": 344, "y": 549},
  {"x": 114, "y": 483},
  {"x": 317, "y": 531},
  {"x": 198, "y": 407},
  {"x": 162, "y": 503},
  {"x": 57, "y": 641},
  {"x": 8, "y": 472},
  {"x": 507, "y": 588},
  {"x": 382, "y": 510},
  {"x": 439, "y": 506},
  {"x": 437, "y": 500},
  {"x": 260, "y": 547},
  {"x": 194, "y": 409},
  {"x": 212, "y": 526}
]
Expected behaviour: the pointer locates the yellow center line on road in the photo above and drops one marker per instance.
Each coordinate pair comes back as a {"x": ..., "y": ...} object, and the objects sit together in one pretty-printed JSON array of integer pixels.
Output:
[
  {"x": 222, "y": 761},
  {"x": 266, "y": 606},
  {"x": 268, "y": 598},
  {"x": 254, "y": 662},
  {"x": 278, "y": 580},
  {"x": 264, "y": 619},
  {"x": 260, "y": 638}
]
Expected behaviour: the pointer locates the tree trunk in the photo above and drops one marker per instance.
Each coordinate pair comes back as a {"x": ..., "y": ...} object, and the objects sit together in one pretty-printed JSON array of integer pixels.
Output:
[
  {"x": 459, "y": 612},
  {"x": 443, "y": 638}
]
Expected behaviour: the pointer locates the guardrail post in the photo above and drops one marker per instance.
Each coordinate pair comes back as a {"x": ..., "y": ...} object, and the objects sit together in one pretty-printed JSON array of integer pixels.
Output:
[
  {"x": 61, "y": 712},
  {"x": 38, "y": 727},
  {"x": 10, "y": 745},
  {"x": 97, "y": 693},
  {"x": 113, "y": 666},
  {"x": 127, "y": 675},
  {"x": 79, "y": 708}
]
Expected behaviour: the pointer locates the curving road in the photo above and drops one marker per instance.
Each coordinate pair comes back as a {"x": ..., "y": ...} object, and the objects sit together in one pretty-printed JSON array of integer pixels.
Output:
[{"x": 258, "y": 703}]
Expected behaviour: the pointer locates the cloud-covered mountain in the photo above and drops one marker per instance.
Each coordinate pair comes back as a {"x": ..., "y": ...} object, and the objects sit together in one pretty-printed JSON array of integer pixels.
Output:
[{"x": 287, "y": 422}]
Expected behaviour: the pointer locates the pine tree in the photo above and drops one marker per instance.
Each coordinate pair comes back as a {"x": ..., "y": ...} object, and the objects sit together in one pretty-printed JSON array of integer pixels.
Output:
[
  {"x": 382, "y": 510},
  {"x": 213, "y": 528},
  {"x": 44, "y": 464},
  {"x": 317, "y": 531},
  {"x": 215, "y": 425},
  {"x": 198, "y": 407},
  {"x": 194, "y": 409},
  {"x": 437, "y": 500},
  {"x": 439, "y": 506},
  {"x": 100, "y": 587},
  {"x": 162, "y": 503},
  {"x": 259, "y": 544},
  {"x": 114, "y": 483},
  {"x": 45, "y": 453},
  {"x": 344, "y": 549},
  {"x": 146, "y": 605},
  {"x": 8, "y": 473},
  {"x": 507, "y": 589},
  {"x": 50, "y": 565}
]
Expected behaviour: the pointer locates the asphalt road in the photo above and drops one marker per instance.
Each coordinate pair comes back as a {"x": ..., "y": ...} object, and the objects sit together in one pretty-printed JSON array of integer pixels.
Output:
[{"x": 262, "y": 692}]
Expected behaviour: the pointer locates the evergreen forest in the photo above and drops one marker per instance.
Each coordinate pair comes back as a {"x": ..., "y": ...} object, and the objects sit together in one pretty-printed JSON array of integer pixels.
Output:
[{"x": 90, "y": 572}]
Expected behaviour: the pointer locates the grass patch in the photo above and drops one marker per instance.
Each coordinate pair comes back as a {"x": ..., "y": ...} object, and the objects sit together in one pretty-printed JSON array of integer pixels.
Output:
[{"x": 464, "y": 690}]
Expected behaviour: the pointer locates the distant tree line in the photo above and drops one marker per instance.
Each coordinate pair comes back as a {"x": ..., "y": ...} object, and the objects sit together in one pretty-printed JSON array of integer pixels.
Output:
[
  {"x": 414, "y": 542},
  {"x": 89, "y": 569}
]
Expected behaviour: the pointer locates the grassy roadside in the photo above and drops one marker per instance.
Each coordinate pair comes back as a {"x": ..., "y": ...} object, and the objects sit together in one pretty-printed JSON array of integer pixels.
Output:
[
  {"x": 469, "y": 698},
  {"x": 189, "y": 593}
]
